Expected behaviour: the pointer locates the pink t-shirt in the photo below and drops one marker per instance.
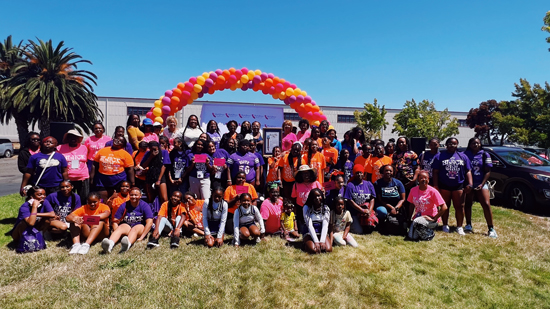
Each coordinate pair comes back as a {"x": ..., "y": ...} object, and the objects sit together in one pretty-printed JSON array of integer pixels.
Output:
[
  {"x": 302, "y": 137},
  {"x": 300, "y": 191},
  {"x": 271, "y": 213},
  {"x": 288, "y": 140},
  {"x": 94, "y": 144},
  {"x": 427, "y": 201},
  {"x": 76, "y": 160},
  {"x": 150, "y": 137}
]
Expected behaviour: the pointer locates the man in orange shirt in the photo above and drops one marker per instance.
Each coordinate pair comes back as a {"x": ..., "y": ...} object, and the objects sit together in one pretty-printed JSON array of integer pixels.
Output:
[
  {"x": 363, "y": 159},
  {"x": 90, "y": 231},
  {"x": 375, "y": 162}
]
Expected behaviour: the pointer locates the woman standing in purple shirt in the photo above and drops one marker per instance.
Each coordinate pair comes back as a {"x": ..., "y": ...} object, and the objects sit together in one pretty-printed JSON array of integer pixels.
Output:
[
  {"x": 481, "y": 170},
  {"x": 453, "y": 179},
  {"x": 134, "y": 219},
  {"x": 244, "y": 161}
]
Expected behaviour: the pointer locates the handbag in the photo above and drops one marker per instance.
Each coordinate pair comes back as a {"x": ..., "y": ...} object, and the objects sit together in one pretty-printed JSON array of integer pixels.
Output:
[
  {"x": 27, "y": 187},
  {"x": 31, "y": 241}
]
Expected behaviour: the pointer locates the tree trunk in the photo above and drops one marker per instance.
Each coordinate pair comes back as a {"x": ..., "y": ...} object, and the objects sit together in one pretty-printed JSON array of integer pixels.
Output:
[
  {"x": 44, "y": 126},
  {"x": 22, "y": 128}
]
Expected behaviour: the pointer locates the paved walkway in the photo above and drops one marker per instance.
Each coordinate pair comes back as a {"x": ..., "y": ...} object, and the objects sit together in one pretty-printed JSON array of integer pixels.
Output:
[{"x": 10, "y": 178}]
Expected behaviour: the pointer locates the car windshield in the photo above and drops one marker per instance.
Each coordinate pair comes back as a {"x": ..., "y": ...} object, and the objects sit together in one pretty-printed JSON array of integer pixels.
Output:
[{"x": 519, "y": 157}]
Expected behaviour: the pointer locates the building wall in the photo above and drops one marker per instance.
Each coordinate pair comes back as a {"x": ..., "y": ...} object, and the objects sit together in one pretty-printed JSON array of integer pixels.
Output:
[{"x": 115, "y": 110}]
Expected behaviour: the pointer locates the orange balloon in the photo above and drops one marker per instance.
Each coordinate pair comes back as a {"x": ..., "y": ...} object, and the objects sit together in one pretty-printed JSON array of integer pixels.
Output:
[
  {"x": 181, "y": 86},
  {"x": 275, "y": 96},
  {"x": 294, "y": 105},
  {"x": 268, "y": 82},
  {"x": 301, "y": 107},
  {"x": 282, "y": 95},
  {"x": 220, "y": 80},
  {"x": 256, "y": 87},
  {"x": 309, "y": 107},
  {"x": 190, "y": 101},
  {"x": 176, "y": 92},
  {"x": 239, "y": 84},
  {"x": 175, "y": 100},
  {"x": 276, "y": 80},
  {"x": 226, "y": 74},
  {"x": 211, "y": 90},
  {"x": 315, "y": 123},
  {"x": 282, "y": 80},
  {"x": 194, "y": 96},
  {"x": 315, "y": 108},
  {"x": 233, "y": 87},
  {"x": 232, "y": 71}
]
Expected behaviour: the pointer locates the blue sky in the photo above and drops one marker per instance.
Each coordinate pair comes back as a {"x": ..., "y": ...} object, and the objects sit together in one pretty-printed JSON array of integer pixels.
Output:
[{"x": 343, "y": 53}]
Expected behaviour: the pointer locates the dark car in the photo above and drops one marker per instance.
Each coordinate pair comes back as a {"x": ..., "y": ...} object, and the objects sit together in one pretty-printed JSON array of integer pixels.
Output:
[{"x": 520, "y": 177}]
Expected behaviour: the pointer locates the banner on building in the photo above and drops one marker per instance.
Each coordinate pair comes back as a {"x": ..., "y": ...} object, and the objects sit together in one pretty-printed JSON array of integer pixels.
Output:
[{"x": 268, "y": 117}]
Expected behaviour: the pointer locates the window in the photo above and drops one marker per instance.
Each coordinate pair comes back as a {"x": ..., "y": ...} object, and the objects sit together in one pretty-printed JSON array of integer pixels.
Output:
[
  {"x": 346, "y": 118},
  {"x": 142, "y": 111},
  {"x": 292, "y": 117},
  {"x": 462, "y": 123}
]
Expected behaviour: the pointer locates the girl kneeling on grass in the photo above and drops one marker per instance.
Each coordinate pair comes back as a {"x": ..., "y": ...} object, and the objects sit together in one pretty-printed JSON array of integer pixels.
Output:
[
  {"x": 317, "y": 217},
  {"x": 425, "y": 200},
  {"x": 35, "y": 212},
  {"x": 214, "y": 217},
  {"x": 246, "y": 220},
  {"x": 169, "y": 217},
  {"x": 134, "y": 219},
  {"x": 340, "y": 222},
  {"x": 79, "y": 228},
  {"x": 63, "y": 203}
]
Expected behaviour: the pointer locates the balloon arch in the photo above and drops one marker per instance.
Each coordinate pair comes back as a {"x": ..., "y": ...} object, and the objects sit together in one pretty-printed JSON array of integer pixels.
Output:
[{"x": 185, "y": 93}]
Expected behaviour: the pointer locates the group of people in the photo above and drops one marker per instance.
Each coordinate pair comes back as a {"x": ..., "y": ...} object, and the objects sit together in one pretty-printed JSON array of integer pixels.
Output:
[{"x": 174, "y": 182}]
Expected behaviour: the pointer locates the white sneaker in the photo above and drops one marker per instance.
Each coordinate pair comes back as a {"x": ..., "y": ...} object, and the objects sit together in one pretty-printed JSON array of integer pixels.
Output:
[
  {"x": 107, "y": 245},
  {"x": 446, "y": 229},
  {"x": 84, "y": 248},
  {"x": 125, "y": 244},
  {"x": 75, "y": 248},
  {"x": 468, "y": 228},
  {"x": 492, "y": 233},
  {"x": 460, "y": 231},
  {"x": 258, "y": 240}
]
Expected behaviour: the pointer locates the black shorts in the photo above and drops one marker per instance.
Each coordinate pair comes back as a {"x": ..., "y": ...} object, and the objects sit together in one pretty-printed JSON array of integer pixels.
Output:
[{"x": 458, "y": 187}]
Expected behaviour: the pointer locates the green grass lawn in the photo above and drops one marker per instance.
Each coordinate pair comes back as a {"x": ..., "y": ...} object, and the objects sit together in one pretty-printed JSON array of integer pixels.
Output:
[{"x": 474, "y": 271}]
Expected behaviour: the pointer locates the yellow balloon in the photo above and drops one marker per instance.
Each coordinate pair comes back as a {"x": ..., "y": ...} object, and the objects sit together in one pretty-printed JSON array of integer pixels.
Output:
[
  {"x": 157, "y": 111},
  {"x": 161, "y": 97},
  {"x": 258, "y": 72},
  {"x": 251, "y": 74},
  {"x": 205, "y": 75},
  {"x": 282, "y": 95},
  {"x": 331, "y": 127},
  {"x": 201, "y": 80},
  {"x": 315, "y": 123},
  {"x": 197, "y": 88},
  {"x": 194, "y": 96},
  {"x": 244, "y": 79},
  {"x": 159, "y": 120},
  {"x": 289, "y": 92},
  {"x": 158, "y": 104},
  {"x": 304, "y": 93},
  {"x": 297, "y": 91}
]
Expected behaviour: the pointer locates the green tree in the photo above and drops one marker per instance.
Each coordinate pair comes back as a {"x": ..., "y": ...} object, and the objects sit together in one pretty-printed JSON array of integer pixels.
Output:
[
  {"x": 423, "y": 120},
  {"x": 372, "y": 120},
  {"x": 48, "y": 86},
  {"x": 526, "y": 120},
  {"x": 546, "y": 26},
  {"x": 481, "y": 120}
]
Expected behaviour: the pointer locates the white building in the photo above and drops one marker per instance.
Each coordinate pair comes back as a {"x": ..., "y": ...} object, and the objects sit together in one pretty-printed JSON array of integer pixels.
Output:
[{"x": 116, "y": 111}]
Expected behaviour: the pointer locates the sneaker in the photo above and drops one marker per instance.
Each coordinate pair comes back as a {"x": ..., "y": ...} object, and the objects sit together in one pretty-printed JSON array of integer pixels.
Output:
[
  {"x": 460, "y": 231},
  {"x": 174, "y": 242},
  {"x": 125, "y": 244},
  {"x": 107, "y": 245},
  {"x": 492, "y": 233},
  {"x": 84, "y": 249},
  {"x": 258, "y": 240},
  {"x": 153, "y": 242},
  {"x": 75, "y": 248},
  {"x": 195, "y": 235},
  {"x": 446, "y": 229},
  {"x": 468, "y": 228}
]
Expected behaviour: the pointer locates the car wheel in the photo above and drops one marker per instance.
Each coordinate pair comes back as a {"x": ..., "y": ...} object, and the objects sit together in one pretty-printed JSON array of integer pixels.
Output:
[
  {"x": 520, "y": 197},
  {"x": 7, "y": 154}
]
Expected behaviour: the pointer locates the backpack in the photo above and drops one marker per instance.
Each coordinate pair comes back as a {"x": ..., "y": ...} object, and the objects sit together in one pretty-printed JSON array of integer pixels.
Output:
[{"x": 31, "y": 241}]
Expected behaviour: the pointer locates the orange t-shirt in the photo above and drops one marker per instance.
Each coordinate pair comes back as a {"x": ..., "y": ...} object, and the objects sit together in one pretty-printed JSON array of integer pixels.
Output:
[
  {"x": 328, "y": 152},
  {"x": 85, "y": 210},
  {"x": 176, "y": 211},
  {"x": 231, "y": 192},
  {"x": 273, "y": 164},
  {"x": 361, "y": 161},
  {"x": 137, "y": 160},
  {"x": 287, "y": 174},
  {"x": 112, "y": 162},
  {"x": 373, "y": 166},
  {"x": 195, "y": 213},
  {"x": 318, "y": 163},
  {"x": 116, "y": 202}
]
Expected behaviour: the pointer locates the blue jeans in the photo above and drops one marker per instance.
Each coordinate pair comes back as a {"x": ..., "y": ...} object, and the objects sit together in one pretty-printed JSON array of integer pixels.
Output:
[
  {"x": 356, "y": 227},
  {"x": 164, "y": 223}
]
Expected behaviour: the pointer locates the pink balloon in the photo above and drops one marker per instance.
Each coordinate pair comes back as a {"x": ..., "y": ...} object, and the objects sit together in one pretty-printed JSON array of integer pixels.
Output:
[
  {"x": 270, "y": 75},
  {"x": 166, "y": 110},
  {"x": 232, "y": 79},
  {"x": 286, "y": 85},
  {"x": 309, "y": 114},
  {"x": 238, "y": 73},
  {"x": 279, "y": 88},
  {"x": 244, "y": 70},
  {"x": 219, "y": 72},
  {"x": 166, "y": 100},
  {"x": 188, "y": 86},
  {"x": 316, "y": 115},
  {"x": 292, "y": 99},
  {"x": 313, "y": 102},
  {"x": 149, "y": 115},
  {"x": 263, "y": 76},
  {"x": 185, "y": 95},
  {"x": 208, "y": 82},
  {"x": 307, "y": 99},
  {"x": 300, "y": 99},
  {"x": 293, "y": 86},
  {"x": 213, "y": 76},
  {"x": 164, "y": 116},
  {"x": 193, "y": 80},
  {"x": 271, "y": 90},
  {"x": 323, "y": 117},
  {"x": 257, "y": 79},
  {"x": 168, "y": 93}
]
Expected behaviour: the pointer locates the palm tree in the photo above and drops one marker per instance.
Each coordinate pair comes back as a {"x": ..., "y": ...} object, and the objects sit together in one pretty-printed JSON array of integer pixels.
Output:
[{"x": 47, "y": 86}]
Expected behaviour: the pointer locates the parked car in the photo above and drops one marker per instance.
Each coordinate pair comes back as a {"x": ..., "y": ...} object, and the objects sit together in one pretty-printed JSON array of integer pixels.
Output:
[
  {"x": 521, "y": 178},
  {"x": 6, "y": 148}
]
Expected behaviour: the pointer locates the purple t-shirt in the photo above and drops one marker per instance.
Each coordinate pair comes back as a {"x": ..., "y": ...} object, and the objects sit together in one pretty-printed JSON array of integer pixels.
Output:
[
  {"x": 260, "y": 158},
  {"x": 332, "y": 194},
  {"x": 346, "y": 168},
  {"x": 452, "y": 167},
  {"x": 164, "y": 153},
  {"x": 426, "y": 160},
  {"x": 134, "y": 215},
  {"x": 359, "y": 193},
  {"x": 216, "y": 138},
  {"x": 200, "y": 168},
  {"x": 62, "y": 205},
  {"x": 179, "y": 159},
  {"x": 54, "y": 172},
  {"x": 479, "y": 161},
  {"x": 25, "y": 210},
  {"x": 246, "y": 163},
  {"x": 128, "y": 148}
]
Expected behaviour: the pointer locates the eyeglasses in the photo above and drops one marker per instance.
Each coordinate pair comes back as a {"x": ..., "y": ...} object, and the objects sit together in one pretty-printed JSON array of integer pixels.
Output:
[{"x": 35, "y": 139}]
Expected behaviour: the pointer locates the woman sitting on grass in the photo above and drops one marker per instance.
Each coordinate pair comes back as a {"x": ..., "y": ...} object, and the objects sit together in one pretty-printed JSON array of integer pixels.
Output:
[
  {"x": 35, "y": 212},
  {"x": 169, "y": 217},
  {"x": 246, "y": 220},
  {"x": 117, "y": 199},
  {"x": 425, "y": 201},
  {"x": 134, "y": 220},
  {"x": 317, "y": 217},
  {"x": 90, "y": 232},
  {"x": 63, "y": 203},
  {"x": 214, "y": 217},
  {"x": 271, "y": 209}
]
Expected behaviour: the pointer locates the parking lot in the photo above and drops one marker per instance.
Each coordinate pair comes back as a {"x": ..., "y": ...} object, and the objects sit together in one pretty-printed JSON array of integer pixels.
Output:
[{"x": 10, "y": 178}]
